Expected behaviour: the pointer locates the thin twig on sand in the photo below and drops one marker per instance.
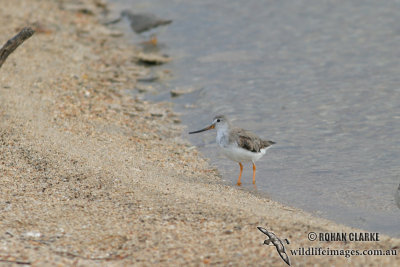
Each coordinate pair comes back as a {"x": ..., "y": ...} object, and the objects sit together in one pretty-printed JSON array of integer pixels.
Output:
[{"x": 14, "y": 42}]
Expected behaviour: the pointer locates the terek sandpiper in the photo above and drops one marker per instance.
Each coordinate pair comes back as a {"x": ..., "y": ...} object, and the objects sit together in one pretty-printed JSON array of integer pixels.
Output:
[{"x": 238, "y": 144}]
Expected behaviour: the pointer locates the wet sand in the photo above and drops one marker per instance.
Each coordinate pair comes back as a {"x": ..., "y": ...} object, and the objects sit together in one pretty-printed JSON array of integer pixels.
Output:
[{"x": 91, "y": 176}]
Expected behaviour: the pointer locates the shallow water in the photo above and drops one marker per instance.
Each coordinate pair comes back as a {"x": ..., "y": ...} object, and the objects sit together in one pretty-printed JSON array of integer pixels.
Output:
[{"x": 319, "y": 78}]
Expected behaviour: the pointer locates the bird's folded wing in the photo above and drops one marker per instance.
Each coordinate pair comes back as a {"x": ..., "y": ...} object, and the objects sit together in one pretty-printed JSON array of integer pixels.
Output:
[{"x": 248, "y": 140}]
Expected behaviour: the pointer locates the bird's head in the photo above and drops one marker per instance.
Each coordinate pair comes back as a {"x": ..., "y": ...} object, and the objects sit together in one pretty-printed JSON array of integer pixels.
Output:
[{"x": 219, "y": 122}]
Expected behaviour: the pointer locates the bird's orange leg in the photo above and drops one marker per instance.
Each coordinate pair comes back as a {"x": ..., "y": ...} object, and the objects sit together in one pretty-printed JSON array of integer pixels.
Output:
[
  {"x": 240, "y": 174},
  {"x": 254, "y": 173},
  {"x": 153, "y": 40}
]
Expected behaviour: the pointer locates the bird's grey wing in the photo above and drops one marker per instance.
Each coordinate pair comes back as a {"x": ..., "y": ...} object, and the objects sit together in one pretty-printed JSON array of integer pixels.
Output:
[
  {"x": 263, "y": 230},
  {"x": 248, "y": 140},
  {"x": 282, "y": 251},
  {"x": 284, "y": 256}
]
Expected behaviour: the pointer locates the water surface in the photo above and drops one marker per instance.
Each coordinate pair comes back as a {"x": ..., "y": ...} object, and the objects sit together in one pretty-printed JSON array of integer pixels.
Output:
[{"x": 321, "y": 79}]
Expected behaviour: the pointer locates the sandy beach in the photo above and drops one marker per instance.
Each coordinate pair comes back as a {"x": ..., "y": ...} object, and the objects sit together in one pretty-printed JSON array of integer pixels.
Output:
[{"x": 92, "y": 176}]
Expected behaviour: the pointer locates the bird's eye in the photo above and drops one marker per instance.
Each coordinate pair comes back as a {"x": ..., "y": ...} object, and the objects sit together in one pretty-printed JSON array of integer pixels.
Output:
[{"x": 218, "y": 120}]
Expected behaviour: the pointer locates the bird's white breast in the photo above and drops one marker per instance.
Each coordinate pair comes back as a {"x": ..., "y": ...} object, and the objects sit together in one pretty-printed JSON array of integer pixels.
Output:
[
  {"x": 239, "y": 154},
  {"x": 231, "y": 149}
]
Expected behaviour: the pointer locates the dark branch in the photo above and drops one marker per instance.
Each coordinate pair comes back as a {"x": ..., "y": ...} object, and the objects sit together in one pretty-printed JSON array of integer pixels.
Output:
[
  {"x": 16, "y": 262},
  {"x": 14, "y": 42}
]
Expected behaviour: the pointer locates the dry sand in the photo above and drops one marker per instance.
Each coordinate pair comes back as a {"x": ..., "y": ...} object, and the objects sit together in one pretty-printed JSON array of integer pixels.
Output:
[{"x": 90, "y": 176}]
